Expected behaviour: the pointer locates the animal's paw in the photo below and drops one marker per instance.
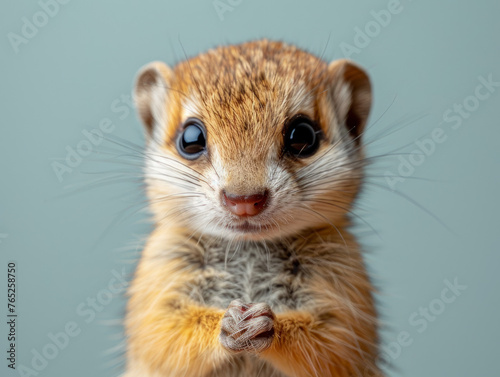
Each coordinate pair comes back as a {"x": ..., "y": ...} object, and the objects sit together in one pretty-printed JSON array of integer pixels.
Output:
[{"x": 247, "y": 327}]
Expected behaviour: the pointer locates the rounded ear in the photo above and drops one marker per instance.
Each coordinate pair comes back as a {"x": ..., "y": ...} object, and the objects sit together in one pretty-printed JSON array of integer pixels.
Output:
[
  {"x": 351, "y": 94},
  {"x": 150, "y": 93}
]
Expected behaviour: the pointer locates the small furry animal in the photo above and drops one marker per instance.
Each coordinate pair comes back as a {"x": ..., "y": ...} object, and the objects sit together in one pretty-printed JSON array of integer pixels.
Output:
[{"x": 253, "y": 161}]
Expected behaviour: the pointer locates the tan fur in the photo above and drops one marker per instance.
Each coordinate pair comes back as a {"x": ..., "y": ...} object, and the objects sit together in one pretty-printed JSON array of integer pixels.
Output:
[{"x": 245, "y": 94}]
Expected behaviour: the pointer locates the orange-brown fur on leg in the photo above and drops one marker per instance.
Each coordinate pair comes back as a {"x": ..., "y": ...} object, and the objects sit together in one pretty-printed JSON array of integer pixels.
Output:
[
  {"x": 169, "y": 333},
  {"x": 336, "y": 334}
]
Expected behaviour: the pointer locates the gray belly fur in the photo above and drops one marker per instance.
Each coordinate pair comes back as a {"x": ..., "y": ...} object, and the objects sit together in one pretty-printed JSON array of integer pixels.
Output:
[{"x": 252, "y": 272}]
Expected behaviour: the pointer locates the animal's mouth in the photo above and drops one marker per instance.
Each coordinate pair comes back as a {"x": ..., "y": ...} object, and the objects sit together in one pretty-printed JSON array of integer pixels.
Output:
[{"x": 247, "y": 227}]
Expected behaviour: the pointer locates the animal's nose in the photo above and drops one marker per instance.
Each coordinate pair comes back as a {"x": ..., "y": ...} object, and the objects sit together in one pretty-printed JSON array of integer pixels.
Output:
[{"x": 245, "y": 205}]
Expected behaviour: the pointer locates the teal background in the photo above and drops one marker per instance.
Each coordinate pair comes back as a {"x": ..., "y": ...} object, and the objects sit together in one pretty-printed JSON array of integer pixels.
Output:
[{"x": 68, "y": 238}]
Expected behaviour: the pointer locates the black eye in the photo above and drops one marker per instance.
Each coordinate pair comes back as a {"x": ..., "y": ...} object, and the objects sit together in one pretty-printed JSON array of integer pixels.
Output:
[
  {"x": 192, "y": 143},
  {"x": 301, "y": 137}
]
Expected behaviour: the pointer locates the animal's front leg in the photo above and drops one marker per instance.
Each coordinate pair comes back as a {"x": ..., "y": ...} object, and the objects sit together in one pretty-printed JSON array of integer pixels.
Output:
[{"x": 309, "y": 345}]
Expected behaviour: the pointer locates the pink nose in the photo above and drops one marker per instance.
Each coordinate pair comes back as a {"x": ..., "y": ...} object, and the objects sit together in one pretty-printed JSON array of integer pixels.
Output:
[{"x": 245, "y": 205}]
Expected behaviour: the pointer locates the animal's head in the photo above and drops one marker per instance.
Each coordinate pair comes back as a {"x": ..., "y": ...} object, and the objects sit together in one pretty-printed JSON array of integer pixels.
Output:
[{"x": 254, "y": 141}]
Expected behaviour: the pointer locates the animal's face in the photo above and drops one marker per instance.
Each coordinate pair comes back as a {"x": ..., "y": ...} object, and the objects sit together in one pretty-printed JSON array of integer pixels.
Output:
[{"x": 255, "y": 141}]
